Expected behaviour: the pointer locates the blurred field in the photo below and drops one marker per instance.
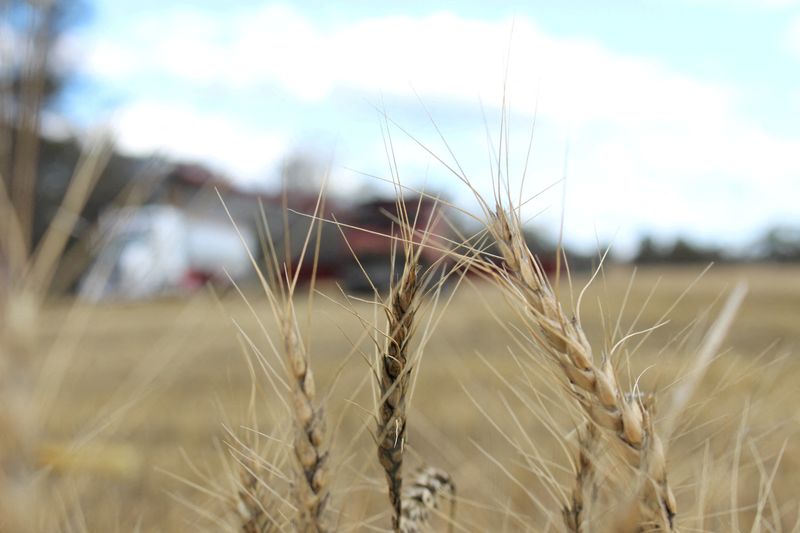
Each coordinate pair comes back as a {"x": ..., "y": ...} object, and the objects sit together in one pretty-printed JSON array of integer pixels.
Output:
[{"x": 159, "y": 379}]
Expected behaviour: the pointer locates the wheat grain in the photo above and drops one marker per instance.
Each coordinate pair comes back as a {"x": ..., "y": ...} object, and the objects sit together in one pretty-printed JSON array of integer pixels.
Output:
[
  {"x": 311, "y": 486},
  {"x": 394, "y": 376},
  {"x": 252, "y": 504},
  {"x": 594, "y": 386},
  {"x": 576, "y": 513}
]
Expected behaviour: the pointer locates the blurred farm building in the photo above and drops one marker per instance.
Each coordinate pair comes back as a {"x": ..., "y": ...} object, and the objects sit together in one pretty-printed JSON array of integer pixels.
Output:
[{"x": 184, "y": 236}]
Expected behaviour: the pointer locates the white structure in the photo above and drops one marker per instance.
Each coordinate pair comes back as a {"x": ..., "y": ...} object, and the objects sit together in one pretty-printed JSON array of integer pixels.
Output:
[{"x": 160, "y": 248}]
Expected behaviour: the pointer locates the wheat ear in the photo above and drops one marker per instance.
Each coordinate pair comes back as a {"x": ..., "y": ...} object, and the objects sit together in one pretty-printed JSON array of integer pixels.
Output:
[
  {"x": 594, "y": 386},
  {"x": 252, "y": 504},
  {"x": 423, "y": 496},
  {"x": 311, "y": 485},
  {"x": 575, "y": 514},
  {"x": 395, "y": 377},
  {"x": 310, "y": 442}
]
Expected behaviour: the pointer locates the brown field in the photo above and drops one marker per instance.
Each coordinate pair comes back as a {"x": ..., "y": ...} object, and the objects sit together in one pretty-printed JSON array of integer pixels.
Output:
[{"x": 148, "y": 385}]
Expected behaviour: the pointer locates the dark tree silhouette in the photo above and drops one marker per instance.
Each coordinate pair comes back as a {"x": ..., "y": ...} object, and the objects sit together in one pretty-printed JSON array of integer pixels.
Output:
[
  {"x": 681, "y": 251},
  {"x": 781, "y": 244},
  {"x": 29, "y": 82}
]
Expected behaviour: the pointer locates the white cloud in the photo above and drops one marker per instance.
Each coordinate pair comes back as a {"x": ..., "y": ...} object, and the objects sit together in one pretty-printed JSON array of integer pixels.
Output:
[
  {"x": 651, "y": 147},
  {"x": 441, "y": 55},
  {"x": 181, "y": 131},
  {"x": 720, "y": 187},
  {"x": 792, "y": 37},
  {"x": 755, "y": 4}
]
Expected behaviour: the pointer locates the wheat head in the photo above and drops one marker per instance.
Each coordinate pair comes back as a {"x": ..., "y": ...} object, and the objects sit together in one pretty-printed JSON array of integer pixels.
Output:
[{"x": 626, "y": 417}]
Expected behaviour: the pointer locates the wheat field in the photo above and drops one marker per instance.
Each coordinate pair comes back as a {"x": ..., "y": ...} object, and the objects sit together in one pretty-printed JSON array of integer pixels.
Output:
[{"x": 154, "y": 391}]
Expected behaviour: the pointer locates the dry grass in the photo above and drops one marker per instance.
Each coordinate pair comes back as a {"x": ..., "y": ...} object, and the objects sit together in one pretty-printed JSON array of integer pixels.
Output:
[
  {"x": 30, "y": 378},
  {"x": 483, "y": 424},
  {"x": 542, "y": 406}
]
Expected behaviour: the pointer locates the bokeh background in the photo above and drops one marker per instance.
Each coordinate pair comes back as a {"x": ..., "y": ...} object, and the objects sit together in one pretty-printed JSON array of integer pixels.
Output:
[
  {"x": 656, "y": 124},
  {"x": 143, "y": 145}
]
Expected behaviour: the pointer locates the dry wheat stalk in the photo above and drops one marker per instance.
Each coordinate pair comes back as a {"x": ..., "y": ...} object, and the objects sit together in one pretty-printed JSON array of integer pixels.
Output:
[
  {"x": 311, "y": 486},
  {"x": 394, "y": 378},
  {"x": 21, "y": 488},
  {"x": 252, "y": 504},
  {"x": 575, "y": 514},
  {"x": 311, "y": 489},
  {"x": 594, "y": 386},
  {"x": 422, "y": 496}
]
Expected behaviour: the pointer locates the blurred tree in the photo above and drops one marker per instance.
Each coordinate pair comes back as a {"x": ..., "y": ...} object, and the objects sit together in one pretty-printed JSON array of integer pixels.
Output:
[
  {"x": 781, "y": 244},
  {"x": 30, "y": 81},
  {"x": 685, "y": 252},
  {"x": 681, "y": 251},
  {"x": 648, "y": 252},
  {"x": 36, "y": 170},
  {"x": 303, "y": 172}
]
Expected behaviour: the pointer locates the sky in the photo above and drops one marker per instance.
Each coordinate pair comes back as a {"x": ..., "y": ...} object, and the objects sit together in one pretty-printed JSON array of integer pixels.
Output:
[{"x": 653, "y": 117}]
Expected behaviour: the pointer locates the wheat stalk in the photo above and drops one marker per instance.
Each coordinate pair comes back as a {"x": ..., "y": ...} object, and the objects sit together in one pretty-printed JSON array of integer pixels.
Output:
[
  {"x": 311, "y": 486},
  {"x": 626, "y": 416},
  {"x": 394, "y": 380},
  {"x": 575, "y": 513},
  {"x": 252, "y": 504}
]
